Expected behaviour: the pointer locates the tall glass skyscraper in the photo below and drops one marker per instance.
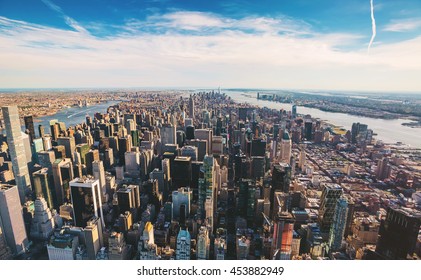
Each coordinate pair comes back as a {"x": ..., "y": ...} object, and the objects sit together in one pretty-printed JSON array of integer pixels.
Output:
[
  {"x": 17, "y": 150},
  {"x": 86, "y": 199},
  {"x": 338, "y": 226}
]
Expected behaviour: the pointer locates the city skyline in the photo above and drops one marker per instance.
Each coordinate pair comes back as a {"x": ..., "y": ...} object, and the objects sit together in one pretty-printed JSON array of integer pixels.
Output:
[{"x": 287, "y": 44}]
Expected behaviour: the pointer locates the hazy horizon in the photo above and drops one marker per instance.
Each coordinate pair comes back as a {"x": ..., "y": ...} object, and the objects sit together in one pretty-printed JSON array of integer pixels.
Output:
[{"x": 328, "y": 45}]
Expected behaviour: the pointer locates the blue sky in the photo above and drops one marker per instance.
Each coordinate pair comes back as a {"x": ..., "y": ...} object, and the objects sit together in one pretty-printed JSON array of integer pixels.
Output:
[{"x": 261, "y": 44}]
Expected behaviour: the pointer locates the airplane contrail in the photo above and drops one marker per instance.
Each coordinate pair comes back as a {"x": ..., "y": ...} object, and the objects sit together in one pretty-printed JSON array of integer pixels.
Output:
[{"x": 373, "y": 25}]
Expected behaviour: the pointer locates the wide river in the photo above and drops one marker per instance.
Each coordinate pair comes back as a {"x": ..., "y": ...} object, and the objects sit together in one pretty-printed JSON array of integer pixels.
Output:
[{"x": 389, "y": 131}]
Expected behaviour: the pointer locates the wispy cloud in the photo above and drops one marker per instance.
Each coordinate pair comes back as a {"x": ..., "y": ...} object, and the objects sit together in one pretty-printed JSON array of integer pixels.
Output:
[
  {"x": 202, "y": 49},
  {"x": 403, "y": 25},
  {"x": 69, "y": 21}
]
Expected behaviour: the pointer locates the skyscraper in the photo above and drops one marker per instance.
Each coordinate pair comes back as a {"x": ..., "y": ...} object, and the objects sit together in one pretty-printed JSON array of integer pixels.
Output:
[
  {"x": 206, "y": 184},
  {"x": 286, "y": 145},
  {"x": 383, "y": 169},
  {"x": 11, "y": 218},
  {"x": 181, "y": 197},
  {"x": 42, "y": 226},
  {"x": 86, "y": 199},
  {"x": 330, "y": 195},
  {"x": 338, "y": 226},
  {"x": 281, "y": 177},
  {"x": 398, "y": 233},
  {"x": 191, "y": 107},
  {"x": 17, "y": 151},
  {"x": 44, "y": 187},
  {"x": 29, "y": 125}
]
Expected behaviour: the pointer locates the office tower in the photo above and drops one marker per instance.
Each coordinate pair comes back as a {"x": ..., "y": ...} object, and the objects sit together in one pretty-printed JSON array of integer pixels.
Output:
[
  {"x": 41, "y": 131},
  {"x": 217, "y": 145},
  {"x": 294, "y": 111},
  {"x": 180, "y": 138},
  {"x": 62, "y": 174},
  {"x": 60, "y": 237},
  {"x": 191, "y": 107},
  {"x": 158, "y": 175},
  {"x": 42, "y": 225},
  {"x": 258, "y": 147},
  {"x": 82, "y": 149},
  {"x": 108, "y": 159},
  {"x": 349, "y": 216},
  {"x": 258, "y": 167},
  {"x": 202, "y": 148},
  {"x": 183, "y": 245},
  {"x": 99, "y": 174},
  {"x": 251, "y": 205},
  {"x": 354, "y": 132},
  {"x": 203, "y": 243},
  {"x": 308, "y": 130},
  {"x": 69, "y": 145},
  {"x": 36, "y": 146},
  {"x": 46, "y": 159},
  {"x": 302, "y": 158},
  {"x": 398, "y": 233},
  {"x": 5, "y": 253},
  {"x": 181, "y": 172},
  {"x": 181, "y": 197},
  {"x": 93, "y": 237},
  {"x": 190, "y": 132},
  {"x": 29, "y": 126},
  {"x": 204, "y": 134},
  {"x": 206, "y": 184},
  {"x": 55, "y": 129},
  {"x": 281, "y": 177},
  {"x": 125, "y": 200},
  {"x": 168, "y": 134},
  {"x": 283, "y": 230},
  {"x": 91, "y": 156},
  {"x": 46, "y": 141},
  {"x": 243, "y": 248},
  {"x": 11, "y": 218},
  {"x": 330, "y": 195},
  {"x": 383, "y": 169},
  {"x": 286, "y": 144},
  {"x": 17, "y": 151},
  {"x": 86, "y": 199},
  {"x": 146, "y": 157},
  {"x": 44, "y": 187},
  {"x": 189, "y": 151},
  {"x": 338, "y": 225},
  {"x": 132, "y": 161},
  {"x": 244, "y": 186}
]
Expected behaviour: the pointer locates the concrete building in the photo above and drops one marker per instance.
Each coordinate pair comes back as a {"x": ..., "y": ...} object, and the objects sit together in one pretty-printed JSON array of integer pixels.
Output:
[{"x": 11, "y": 218}]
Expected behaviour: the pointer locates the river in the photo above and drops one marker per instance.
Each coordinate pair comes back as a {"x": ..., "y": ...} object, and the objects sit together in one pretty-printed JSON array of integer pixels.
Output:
[
  {"x": 73, "y": 115},
  {"x": 389, "y": 131}
]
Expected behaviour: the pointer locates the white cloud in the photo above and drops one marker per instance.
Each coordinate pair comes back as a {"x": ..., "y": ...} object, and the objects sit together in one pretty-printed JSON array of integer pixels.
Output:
[
  {"x": 248, "y": 52},
  {"x": 403, "y": 25}
]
